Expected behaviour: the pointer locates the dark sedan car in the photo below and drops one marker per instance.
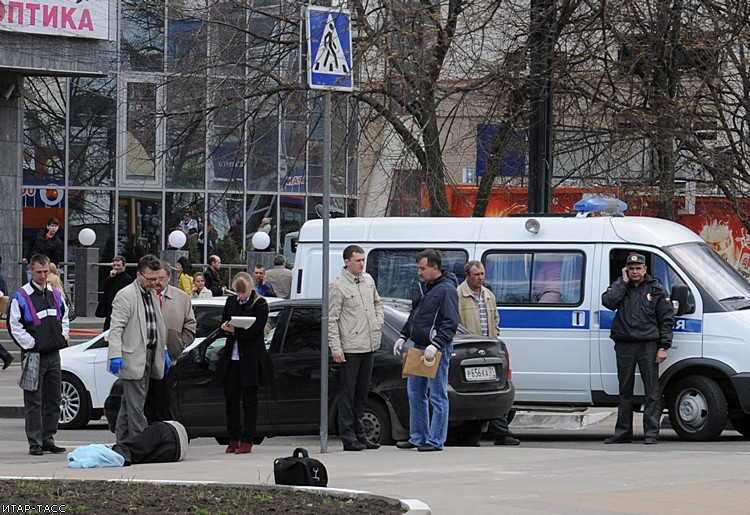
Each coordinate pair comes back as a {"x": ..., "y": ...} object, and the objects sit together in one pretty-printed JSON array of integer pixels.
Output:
[{"x": 479, "y": 382}]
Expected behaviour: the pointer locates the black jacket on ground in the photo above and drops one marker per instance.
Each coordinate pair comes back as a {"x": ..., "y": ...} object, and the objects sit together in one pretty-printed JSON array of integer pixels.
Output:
[{"x": 644, "y": 312}]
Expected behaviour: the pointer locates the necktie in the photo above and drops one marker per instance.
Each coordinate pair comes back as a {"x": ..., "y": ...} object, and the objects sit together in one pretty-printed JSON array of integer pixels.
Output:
[{"x": 161, "y": 299}]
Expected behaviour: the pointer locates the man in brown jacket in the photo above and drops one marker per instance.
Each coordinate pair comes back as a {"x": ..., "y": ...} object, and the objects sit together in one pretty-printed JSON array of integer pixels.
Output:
[
  {"x": 477, "y": 311},
  {"x": 179, "y": 319},
  {"x": 355, "y": 319}
]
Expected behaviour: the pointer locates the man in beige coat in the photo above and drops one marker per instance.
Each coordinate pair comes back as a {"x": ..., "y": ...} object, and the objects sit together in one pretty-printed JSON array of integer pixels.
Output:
[
  {"x": 137, "y": 345},
  {"x": 477, "y": 311},
  {"x": 355, "y": 320},
  {"x": 180, "y": 322}
]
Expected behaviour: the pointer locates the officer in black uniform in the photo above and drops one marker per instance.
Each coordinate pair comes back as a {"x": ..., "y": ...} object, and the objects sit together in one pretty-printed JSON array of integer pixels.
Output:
[{"x": 642, "y": 332}]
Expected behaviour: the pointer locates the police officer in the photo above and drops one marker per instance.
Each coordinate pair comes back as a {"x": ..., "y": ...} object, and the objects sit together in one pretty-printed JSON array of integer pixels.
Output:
[{"x": 642, "y": 332}]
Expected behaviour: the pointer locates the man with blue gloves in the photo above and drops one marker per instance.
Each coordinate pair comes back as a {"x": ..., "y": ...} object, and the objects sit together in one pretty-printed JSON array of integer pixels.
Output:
[{"x": 137, "y": 345}]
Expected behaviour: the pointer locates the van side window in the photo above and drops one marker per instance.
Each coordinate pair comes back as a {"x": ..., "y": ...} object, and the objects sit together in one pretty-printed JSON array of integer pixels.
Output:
[
  {"x": 395, "y": 271},
  {"x": 535, "y": 277}
]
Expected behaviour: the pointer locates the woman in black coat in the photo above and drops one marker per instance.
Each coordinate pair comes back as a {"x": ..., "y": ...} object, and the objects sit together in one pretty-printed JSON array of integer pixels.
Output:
[{"x": 241, "y": 366}]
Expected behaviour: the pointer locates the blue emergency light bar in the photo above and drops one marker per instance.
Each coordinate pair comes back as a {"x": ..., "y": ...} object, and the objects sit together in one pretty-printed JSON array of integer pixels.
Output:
[{"x": 610, "y": 206}]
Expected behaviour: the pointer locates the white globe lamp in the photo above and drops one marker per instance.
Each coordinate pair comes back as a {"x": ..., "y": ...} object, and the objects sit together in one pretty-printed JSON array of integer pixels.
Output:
[
  {"x": 177, "y": 239},
  {"x": 261, "y": 240},
  {"x": 87, "y": 237}
]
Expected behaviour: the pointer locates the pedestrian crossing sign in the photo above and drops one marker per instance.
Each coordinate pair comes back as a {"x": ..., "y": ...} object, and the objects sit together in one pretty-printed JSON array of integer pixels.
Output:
[{"x": 329, "y": 49}]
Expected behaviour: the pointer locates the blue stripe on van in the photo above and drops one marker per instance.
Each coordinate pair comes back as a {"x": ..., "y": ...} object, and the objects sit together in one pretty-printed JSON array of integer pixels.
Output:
[
  {"x": 681, "y": 324},
  {"x": 542, "y": 318}
]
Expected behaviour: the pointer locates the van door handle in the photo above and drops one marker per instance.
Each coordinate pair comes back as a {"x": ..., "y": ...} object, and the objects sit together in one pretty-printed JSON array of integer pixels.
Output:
[
  {"x": 579, "y": 318},
  {"x": 595, "y": 318}
]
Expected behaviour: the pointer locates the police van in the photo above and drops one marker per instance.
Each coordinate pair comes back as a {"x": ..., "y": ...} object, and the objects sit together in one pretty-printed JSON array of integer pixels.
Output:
[{"x": 548, "y": 274}]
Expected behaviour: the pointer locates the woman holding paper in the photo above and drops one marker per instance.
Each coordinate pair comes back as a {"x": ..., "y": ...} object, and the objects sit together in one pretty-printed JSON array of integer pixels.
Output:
[{"x": 241, "y": 366}]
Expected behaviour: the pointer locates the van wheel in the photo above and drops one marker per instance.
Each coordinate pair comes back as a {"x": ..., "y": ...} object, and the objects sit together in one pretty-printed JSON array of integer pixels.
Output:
[
  {"x": 466, "y": 434},
  {"x": 697, "y": 409},
  {"x": 377, "y": 423},
  {"x": 741, "y": 424}
]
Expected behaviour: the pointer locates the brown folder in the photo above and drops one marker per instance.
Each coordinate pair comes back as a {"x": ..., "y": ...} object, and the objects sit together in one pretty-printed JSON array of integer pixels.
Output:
[{"x": 415, "y": 366}]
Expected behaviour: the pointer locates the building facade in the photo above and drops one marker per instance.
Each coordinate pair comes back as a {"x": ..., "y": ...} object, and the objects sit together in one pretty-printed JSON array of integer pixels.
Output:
[{"x": 202, "y": 118}]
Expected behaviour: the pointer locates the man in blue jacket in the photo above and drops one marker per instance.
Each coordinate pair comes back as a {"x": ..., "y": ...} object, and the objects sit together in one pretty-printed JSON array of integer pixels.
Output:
[{"x": 431, "y": 325}]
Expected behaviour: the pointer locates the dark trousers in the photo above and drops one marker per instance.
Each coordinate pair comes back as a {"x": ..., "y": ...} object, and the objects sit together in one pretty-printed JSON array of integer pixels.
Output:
[
  {"x": 498, "y": 427},
  {"x": 235, "y": 395},
  {"x": 355, "y": 374},
  {"x": 43, "y": 405},
  {"x": 158, "y": 443},
  {"x": 157, "y": 401},
  {"x": 629, "y": 354}
]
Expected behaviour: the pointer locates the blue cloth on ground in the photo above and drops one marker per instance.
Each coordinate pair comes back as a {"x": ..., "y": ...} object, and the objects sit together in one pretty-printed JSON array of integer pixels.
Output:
[{"x": 96, "y": 455}]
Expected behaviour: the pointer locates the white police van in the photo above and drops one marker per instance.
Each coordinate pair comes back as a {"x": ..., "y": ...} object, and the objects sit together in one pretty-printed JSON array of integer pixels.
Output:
[{"x": 548, "y": 274}]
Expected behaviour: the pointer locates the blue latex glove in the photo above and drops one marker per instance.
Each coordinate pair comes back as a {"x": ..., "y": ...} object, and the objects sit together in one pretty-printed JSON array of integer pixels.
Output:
[
  {"x": 167, "y": 362},
  {"x": 115, "y": 365}
]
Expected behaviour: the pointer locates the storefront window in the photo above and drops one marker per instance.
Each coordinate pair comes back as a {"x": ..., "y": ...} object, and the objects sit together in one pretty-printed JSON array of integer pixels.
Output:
[
  {"x": 93, "y": 120},
  {"x": 142, "y": 35},
  {"x": 186, "y": 133},
  {"x": 140, "y": 136}
]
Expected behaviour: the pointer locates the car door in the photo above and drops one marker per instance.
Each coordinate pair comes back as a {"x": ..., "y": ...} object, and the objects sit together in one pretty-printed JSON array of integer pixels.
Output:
[
  {"x": 295, "y": 355},
  {"x": 198, "y": 399}
]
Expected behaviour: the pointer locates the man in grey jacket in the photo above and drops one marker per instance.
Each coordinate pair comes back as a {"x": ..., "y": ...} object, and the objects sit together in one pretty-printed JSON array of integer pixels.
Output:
[
  {"x": 137, "y": 345},
  {"x": 355, "y": 319}
]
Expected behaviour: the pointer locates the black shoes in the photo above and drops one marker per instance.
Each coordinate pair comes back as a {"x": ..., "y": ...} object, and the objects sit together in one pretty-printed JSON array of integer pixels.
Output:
[
  {"x": 650, "y": 440},
  {"x": 617, "y": 439},
  {"x": 35, "y": 450},
  {"x": 507, "y": 440},
  {"x": 54, "y": 449},
  {"x": 7, "y": 360},
  {"x": 354, "y": 446},
  {"x": 428, "y": 448},
  {"x": 370, "y": 445},
  {"x": 406, "y": 444}
]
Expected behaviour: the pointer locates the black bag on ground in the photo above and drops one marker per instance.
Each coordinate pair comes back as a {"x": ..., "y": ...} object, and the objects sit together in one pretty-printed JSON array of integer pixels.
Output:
[{"x": 299, "y": 470}]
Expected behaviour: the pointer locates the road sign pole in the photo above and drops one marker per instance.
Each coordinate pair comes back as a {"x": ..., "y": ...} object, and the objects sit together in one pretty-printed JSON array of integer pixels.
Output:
[{"x": 325, "y": 274}]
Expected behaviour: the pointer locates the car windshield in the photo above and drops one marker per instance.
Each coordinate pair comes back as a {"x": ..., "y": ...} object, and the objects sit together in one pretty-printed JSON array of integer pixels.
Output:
[{"x": 714, "y": 274}]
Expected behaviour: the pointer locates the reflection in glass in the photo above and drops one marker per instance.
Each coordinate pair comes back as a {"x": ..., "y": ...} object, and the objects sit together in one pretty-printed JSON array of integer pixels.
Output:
[
  {"x": 93, "y": 210},
  {"x": 186, "y": 38},
  {"x": 44, "y": 132},
  {"x": 186, "y": 133},
  {"x": 262, "y": 174},
  {"x": 140, "y": 145},
  {"x": 261, "y": 216},
  {"x": 139, "y": 221},
  {"x": 226, "y": 217},
  {"x": 93, "y": 118},
  {"x": 185, "y": 212},
  {"x": 228, "y": 38},
  {"x": 226, "y": 145},
  {"x": 142, "y": 35}
]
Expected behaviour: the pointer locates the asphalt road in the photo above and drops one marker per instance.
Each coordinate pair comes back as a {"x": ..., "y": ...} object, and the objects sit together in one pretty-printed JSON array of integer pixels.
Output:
[{"x": 552, "y": 471}]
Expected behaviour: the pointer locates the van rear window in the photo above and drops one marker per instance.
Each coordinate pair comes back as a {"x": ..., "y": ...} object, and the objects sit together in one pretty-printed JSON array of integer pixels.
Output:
[
  {"x": 535, "y": 277},
  {"x": 395, "y": 271}
]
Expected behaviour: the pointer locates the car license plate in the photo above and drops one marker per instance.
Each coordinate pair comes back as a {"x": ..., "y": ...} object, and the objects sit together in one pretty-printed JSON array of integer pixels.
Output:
[{"x": 480, "y": 374}]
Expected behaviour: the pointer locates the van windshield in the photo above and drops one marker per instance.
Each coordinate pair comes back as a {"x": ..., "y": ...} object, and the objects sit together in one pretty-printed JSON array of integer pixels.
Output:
[{"x": 715, "y": 275}]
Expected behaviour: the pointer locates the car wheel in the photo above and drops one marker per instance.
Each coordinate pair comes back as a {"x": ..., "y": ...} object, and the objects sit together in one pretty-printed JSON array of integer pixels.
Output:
[
  {"x": 74, "y": 403},
  {"x": 222, "y": 440},
  {"x": 697, "y": 409},
  {"x": 257, "y": 440},
  {"x": 377, "y": 423},
  {"x": 466, "y": 434},
  {"x": 741, "y": 424}
]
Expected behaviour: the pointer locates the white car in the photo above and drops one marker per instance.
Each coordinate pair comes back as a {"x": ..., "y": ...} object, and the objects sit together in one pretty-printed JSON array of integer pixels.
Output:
[{"x": 86, "y": 380}]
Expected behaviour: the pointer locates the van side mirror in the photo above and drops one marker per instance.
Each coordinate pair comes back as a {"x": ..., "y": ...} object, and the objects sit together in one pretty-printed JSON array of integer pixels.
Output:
[{"x": 682, "y": 300}]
